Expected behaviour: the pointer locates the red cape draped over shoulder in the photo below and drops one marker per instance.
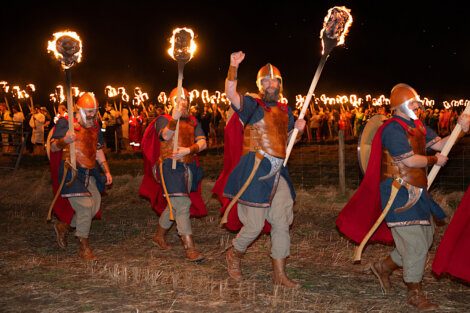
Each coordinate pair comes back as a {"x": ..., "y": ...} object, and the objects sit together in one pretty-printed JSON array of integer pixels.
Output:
[
  {"x": 233, "y": 139},
  {"x": 363, "y": 209},
  {"x": 453, "y": 253},
  {"x": 153, "y": 190}
]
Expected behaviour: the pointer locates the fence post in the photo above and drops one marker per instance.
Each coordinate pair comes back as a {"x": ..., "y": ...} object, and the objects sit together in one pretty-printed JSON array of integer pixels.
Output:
[{"x": 342, "y": 179}]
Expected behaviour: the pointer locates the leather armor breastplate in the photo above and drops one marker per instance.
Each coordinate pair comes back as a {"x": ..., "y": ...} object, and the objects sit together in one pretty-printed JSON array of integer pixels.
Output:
[
  {"x": 414, "y": 176},
  {"x": 268, "y": 134},
  {"x": 85, "y": 147},
  {"x": 185, "y": 139}
]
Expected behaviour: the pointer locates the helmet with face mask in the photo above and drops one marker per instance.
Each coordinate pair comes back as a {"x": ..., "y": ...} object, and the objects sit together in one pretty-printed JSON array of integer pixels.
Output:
[
  {"x": 268, "y": 71},
  {"x": 85, "y": 103},
  {"x": 401, "y": 96}
]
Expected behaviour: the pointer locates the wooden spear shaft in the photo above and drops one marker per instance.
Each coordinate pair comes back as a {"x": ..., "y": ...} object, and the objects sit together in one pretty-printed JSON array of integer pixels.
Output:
[
  {"x": 305, "y": 105},
  {"x": 68, "y": 85},
  {"x": 446, "y": 149},
  {"x": 178, "y": 97}
]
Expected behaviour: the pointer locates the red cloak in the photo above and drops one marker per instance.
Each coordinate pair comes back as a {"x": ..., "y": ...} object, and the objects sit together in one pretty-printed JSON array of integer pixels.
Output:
[
  {"x": 453, "y": 253},
  {"x": 150, "y": 188},
  {"x": 363, "y": 209}
]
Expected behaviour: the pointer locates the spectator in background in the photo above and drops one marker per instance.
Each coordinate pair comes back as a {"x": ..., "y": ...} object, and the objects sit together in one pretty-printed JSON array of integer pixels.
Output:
[
  {"x": 5, "y": 120},
  {"x": 109, "y": 121}
]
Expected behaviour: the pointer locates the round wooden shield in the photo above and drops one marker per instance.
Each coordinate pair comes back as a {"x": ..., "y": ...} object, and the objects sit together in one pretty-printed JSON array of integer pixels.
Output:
[{"x": 365, "y": 139}]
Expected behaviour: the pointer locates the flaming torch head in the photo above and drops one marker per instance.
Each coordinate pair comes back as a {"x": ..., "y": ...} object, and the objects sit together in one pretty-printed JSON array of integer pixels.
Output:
[
  {"x": 4, "y": 86},
  {"x": 183, "y": 45},
  {"x": 66, "y": 47},
  {"x": 30, "y": 88},
  {"x": 335, "y": 28}
]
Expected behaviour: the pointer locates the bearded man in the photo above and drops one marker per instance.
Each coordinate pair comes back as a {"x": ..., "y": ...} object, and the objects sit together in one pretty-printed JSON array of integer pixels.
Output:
[
  {"x": 266, "y": 124},
  {"x": 182, "y": 185},
  {"x": 80, "y": 199}
]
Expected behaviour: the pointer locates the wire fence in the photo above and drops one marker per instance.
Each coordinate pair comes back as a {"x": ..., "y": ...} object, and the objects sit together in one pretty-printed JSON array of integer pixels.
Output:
[{"x": 317, "y": 164}]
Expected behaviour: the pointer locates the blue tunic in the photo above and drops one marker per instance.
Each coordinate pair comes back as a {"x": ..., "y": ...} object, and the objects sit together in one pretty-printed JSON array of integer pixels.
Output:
[
  {"x": 79, "y": 186},
  {"x": 259, "y": 192},
  {"x": 176, "y": 181},
  {"x": 394, "y": 139}
]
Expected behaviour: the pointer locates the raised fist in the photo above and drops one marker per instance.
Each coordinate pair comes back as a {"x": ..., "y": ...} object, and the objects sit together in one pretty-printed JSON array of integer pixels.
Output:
[{"x": 236, "y": 58}]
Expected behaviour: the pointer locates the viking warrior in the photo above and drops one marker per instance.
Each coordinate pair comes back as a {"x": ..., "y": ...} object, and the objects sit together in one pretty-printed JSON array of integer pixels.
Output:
[
  {"x": 174, "y": 192},
  {"x": 400, "y": 155},
  {"x": 253, "y": 171},
  {"x": 80, "y": 188}
]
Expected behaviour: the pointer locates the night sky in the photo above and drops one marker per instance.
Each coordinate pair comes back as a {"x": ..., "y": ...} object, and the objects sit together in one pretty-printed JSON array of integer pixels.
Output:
[{"x": 389, "y": 42}]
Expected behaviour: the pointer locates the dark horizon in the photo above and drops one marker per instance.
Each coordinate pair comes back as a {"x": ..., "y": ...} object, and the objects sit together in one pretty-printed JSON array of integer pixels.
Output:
[{"x": 125, "y": 45}]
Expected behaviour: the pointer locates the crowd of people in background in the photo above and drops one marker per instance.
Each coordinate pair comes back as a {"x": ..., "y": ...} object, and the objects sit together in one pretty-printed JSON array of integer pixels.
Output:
[{"x": 124, "y": 125}]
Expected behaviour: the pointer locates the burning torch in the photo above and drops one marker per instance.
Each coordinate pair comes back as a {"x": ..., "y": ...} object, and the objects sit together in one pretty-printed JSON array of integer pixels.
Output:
[
  {"x": 111, "y": 94},
  {"x": 67, "y": 49},
  {"x": 182, "y": 50},
  {"x": 5, "y": 88},
  {"x": 335, "y": 28},
  {"x": 30, "y": 89}
]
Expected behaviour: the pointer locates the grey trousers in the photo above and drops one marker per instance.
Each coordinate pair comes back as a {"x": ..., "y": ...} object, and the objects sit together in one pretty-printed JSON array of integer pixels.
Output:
[
  {"x": 181, "y": 207},
  {"x": 181, "y": 213},
  {"x": 280, "y": 215},
  {"x": 85, "y": 209},
  {"x": 411, "y": 249}
]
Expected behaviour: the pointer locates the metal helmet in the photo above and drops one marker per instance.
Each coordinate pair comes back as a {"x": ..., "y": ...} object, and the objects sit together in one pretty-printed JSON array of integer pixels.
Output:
[
  {"x": 174, "y": 93},
  {"x": 268, "y": 71},
  {"x": 87, "y": 101},
  {"x": 401, "y": 96}
]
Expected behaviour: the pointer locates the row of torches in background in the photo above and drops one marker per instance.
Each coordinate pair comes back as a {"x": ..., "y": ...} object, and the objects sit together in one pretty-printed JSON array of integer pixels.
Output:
[{"x": 119, "y": 96}]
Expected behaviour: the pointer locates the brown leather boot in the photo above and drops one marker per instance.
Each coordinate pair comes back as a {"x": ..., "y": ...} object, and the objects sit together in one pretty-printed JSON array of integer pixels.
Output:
[
  {"x": 191, "y": 253},
  {"x": 85, "y": 251},
  {"x": 417, "y": 298},
  {"x": 61, "y": 231},
  {"x": 233, "y": 258},
  {"x": 279, "y": 274},
  {"x": 383, "y": 269},
  {"x": 159, "y": 238}
]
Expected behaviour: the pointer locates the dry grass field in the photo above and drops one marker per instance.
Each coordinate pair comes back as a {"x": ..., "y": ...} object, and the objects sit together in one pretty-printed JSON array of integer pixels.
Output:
[{"x": 131, "y": 275}]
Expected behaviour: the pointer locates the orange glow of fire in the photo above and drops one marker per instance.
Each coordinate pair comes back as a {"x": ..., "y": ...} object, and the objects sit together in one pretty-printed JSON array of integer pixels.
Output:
[
  {"x": 191, "y": 49},
  {"x": 51, "y": 46},
  {"x": 336, "y": 25}
]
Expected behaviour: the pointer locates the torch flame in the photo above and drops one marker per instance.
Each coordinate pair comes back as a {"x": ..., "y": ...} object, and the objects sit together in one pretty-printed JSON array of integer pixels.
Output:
[
  {"x": 183, "y": 45},
  {"x": 59, "y": 90},
  {"x": 75, "y": 91},
  {"x": 66, "y": 47},
  {"x": 110, "y": 91},
  {"x": 336, "y": 25},
  {"x": 31, "y": 87},
  {"x": 162, "y": 97}
]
